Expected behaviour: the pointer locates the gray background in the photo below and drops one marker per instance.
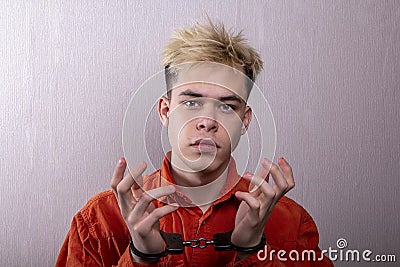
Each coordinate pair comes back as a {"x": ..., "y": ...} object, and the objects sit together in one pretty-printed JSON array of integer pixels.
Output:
[{"x": 68, "y": 69}]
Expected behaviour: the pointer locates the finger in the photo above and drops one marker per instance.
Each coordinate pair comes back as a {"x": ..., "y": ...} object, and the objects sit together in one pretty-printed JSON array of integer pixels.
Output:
[
  {"x": 281, "y": 184},
  {"x": 264, "y": 169},
  {"x": 249, "y": 199},
  {"x": 137, "y": 186},
  {"x": 262, "y": 172},
  {"x": 267, "y": 195},
  {"x": 148, "y": 223},
  {"x": 255, "y": 183},
  {"x": 287, "y": 173},
  {"x": 144, "y": 202},
  {"x": 130, "y": 180},
  {"x": 254, "y": 206},
  {"x": 124, "y": 193},
  {"x": 248, "y": 176},
  {"x": 118, "y": 175}
]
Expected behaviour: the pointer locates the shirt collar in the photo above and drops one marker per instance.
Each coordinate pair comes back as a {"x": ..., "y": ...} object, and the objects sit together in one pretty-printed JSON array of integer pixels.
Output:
[{"x": 233, "y": 183}]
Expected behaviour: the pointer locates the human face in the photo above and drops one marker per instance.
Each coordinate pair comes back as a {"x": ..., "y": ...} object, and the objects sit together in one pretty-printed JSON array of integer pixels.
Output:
[{"x": 205, "y": 117}]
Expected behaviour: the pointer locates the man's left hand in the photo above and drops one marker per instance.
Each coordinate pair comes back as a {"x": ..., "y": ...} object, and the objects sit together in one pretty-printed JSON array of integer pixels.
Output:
[{"x": 258, "y": 203}]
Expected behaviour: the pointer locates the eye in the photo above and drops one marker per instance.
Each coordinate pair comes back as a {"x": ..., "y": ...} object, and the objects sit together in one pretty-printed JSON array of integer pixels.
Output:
[
  {"x": 226, "y": 107},
  {"x": 191, "y": 103}
]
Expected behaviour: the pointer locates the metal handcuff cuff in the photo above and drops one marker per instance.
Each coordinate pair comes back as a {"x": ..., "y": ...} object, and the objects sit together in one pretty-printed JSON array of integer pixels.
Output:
[{"x": 175, "y": 245}]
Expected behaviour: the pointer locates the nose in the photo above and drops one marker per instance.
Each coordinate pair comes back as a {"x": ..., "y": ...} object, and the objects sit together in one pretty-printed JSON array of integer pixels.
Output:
[{"x": 207, "y": 124}]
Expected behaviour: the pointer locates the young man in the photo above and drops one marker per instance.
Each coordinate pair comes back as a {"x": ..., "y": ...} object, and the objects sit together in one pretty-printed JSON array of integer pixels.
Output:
[{"x": 223, "y": 219}]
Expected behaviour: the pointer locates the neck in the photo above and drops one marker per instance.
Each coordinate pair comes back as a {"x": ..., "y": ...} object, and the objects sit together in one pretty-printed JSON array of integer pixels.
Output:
[
  {"x": 203, "y": 187},
  {"x": 203, "y": 196}
]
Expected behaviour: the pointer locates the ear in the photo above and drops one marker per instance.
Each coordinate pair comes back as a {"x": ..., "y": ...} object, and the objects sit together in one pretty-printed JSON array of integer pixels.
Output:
[
  {"x": 248, "y": 114},
  {"x": 163, "y": 110}
]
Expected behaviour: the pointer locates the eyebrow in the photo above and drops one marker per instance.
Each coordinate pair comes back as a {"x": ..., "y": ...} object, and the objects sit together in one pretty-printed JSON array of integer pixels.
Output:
[{"x": 189, "y": 92}]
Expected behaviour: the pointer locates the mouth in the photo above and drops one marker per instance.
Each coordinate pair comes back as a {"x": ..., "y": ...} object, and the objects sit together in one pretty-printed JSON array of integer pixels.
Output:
[{"x": 205, "y": 145}]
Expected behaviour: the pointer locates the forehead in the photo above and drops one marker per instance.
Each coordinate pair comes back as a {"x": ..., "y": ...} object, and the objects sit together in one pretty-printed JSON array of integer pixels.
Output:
[{"x": 212, "y": 79}]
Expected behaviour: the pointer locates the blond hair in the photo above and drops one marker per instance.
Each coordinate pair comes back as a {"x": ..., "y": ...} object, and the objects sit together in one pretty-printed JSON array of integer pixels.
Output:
[{"x": 212, "y": 43}]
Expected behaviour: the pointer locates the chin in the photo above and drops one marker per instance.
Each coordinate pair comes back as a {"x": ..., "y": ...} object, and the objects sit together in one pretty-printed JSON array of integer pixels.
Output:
[
  {"x": 201, "y": 165},
  {"x": 200, "y": 161},
  {"x": 207, "y": 164}
]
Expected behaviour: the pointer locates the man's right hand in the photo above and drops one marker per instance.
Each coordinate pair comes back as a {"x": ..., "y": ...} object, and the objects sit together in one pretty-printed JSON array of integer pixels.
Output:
[{"x": 137, "y": 209}]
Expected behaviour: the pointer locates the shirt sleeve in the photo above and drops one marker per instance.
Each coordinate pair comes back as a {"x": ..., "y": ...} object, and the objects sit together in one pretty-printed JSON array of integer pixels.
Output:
[
  {"x": 80, "y": 248},
  {"x": 308, "y": 240},
  {"x": 77, "y": 249},
  {"x": 306, "y": 244},
  {"x": 126, "y": 260}
]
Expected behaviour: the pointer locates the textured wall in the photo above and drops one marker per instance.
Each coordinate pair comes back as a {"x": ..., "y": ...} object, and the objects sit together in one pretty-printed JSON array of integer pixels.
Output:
[{"x": 68, "y": 69}]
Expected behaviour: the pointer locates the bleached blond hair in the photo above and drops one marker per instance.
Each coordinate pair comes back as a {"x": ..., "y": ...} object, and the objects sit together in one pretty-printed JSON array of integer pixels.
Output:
[{"x": 211, "y": 43}]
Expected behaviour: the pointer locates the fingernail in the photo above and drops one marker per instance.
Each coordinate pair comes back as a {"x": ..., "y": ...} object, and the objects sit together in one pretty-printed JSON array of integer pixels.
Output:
[
  {"x": 283, "y": 160},
  {"x": 172, "y": 188},
  {"x": 266, "y": 161},
  {"x": 247, "y": 175},
  {"x": 120, "y": 162}
]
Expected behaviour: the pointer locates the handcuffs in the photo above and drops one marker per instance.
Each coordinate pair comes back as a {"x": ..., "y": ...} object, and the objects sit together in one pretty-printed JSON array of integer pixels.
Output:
[{"x": 175, "y": 245}]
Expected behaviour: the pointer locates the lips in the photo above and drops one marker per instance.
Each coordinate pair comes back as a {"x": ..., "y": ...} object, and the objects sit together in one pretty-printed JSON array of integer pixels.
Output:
[{"x": 205, "y": 145}]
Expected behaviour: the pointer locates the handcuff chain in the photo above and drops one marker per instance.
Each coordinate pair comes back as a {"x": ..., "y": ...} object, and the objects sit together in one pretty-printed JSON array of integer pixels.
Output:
[{"x": 198, "y": 243}]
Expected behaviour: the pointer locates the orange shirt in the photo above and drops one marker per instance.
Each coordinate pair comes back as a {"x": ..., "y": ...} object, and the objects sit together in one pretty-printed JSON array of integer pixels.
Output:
[{"x": 99, "y": 237}]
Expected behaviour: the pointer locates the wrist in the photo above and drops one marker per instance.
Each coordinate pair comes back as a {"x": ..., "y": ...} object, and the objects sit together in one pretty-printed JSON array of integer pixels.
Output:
[
  {"x": 143, "y": 258},
  {"x": 246, "y": 240},
  {"x": 242, "y": 255},
  {"x": 139, "y": 260},
  {"x": 250, "y": 247}
]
